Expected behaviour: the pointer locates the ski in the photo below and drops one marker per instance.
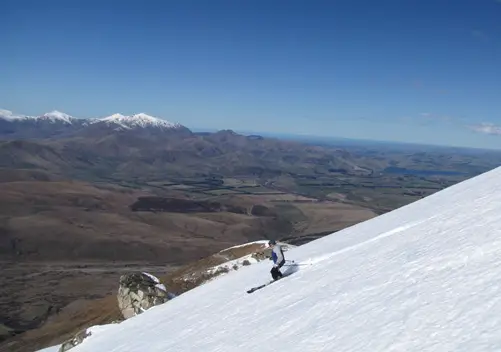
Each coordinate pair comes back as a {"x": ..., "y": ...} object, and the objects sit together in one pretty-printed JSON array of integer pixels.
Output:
[
  {"x": 290, "y": 263},
  {"x": 261, "y": 286},
  {"x": 268, "y": 283}
]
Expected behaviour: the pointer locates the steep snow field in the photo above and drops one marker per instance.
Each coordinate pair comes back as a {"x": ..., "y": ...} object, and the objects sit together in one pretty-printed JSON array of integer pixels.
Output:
[{"x": 425, "y": 277}]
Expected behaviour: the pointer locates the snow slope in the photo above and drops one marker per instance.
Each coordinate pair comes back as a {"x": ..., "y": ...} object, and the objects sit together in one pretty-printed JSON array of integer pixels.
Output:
[{"x": 425, "y": 277}]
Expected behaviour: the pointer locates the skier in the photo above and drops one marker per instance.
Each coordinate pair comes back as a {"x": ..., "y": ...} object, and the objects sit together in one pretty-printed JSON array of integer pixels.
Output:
[{"x": 277, "y": 255}]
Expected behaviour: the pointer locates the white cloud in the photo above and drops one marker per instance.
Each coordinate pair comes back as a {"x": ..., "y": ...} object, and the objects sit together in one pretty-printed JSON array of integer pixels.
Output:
[
  {"x": 5, "y": 113},
  {"x": 9, "y": 115},
  {"x": 486, "y": 128}
]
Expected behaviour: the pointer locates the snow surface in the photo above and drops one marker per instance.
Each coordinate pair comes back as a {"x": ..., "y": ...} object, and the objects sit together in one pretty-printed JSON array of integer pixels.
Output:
[
  {"x": 137, "y": 120},
  {"x": 425, "y": 277}
]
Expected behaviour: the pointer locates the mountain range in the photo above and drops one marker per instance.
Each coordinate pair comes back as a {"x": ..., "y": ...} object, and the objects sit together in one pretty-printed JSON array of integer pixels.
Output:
[
  {"x": 143, "y": 146},
  {"x": 59, "y": 124}
]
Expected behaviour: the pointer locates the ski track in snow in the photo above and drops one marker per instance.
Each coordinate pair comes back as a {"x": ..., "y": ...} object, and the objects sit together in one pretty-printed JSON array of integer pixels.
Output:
[{"x": 425, "y": 277}]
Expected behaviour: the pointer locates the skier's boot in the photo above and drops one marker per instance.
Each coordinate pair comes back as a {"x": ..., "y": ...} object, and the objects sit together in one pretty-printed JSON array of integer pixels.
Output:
[{"x": 275, "y": 273}]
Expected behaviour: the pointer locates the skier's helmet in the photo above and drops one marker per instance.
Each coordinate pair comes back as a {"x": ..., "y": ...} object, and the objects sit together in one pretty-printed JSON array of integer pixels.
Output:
[{"x": 272, "y": 242}]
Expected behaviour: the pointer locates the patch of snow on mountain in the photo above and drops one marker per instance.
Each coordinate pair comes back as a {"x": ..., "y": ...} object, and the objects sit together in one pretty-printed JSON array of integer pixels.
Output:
[
  {"x": 112, "y": 118},
  {"x": 57, "y": 116},
  {"x": 233, "y": 265},
  {"x": 263, "y": 242},
  {"x": 424, "y": 277},
  {"x": 115, "y": 119},
  {"x": 138, "y": 120}
]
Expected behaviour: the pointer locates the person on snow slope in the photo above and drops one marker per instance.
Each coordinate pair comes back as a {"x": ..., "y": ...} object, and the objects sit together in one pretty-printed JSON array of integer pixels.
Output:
[{"x": 278, "y": 257}]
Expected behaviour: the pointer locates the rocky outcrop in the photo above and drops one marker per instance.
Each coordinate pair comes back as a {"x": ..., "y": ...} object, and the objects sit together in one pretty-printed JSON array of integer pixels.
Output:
[
  {"x": 139, "y": 292},
  {"x": 74, "y": 341}
]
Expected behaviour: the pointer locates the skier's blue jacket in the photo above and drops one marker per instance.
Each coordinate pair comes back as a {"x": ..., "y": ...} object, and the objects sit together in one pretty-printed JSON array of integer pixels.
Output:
[{"x": 277, "y": 254}]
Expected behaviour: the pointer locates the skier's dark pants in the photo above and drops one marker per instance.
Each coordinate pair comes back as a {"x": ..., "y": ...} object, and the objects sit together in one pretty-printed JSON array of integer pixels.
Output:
[{"x": 275, "y": 271}]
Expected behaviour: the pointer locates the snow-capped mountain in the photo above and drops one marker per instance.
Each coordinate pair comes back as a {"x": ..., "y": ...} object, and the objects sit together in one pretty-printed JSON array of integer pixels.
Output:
[
  {"x": 56, "y": 123},
  {"x": 140, "y": 120},
  {"x": 57, "y": 116},
  {"x": 51, "y": 124},
  {"x": 424, "y": 277},
  {"x": 52, "y": 117}
]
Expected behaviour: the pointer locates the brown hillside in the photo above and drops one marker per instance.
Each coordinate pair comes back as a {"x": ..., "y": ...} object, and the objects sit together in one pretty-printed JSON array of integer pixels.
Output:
[{"x": 131, "y": 154}]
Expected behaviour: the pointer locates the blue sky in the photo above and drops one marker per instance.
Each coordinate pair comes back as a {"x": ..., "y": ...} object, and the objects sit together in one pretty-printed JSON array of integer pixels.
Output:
[{"x": 426, "y": 71}]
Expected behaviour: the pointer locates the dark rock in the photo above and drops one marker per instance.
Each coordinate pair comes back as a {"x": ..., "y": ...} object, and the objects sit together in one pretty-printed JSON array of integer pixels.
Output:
[{"x": 139, "y": 292}]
